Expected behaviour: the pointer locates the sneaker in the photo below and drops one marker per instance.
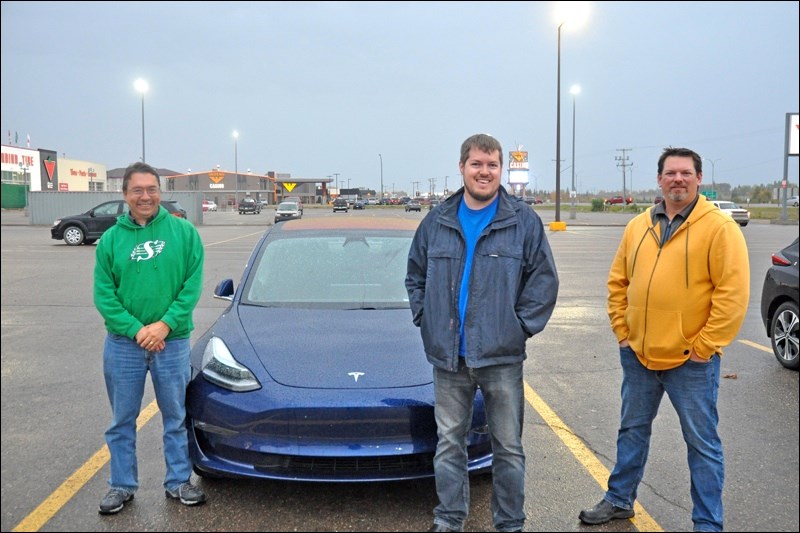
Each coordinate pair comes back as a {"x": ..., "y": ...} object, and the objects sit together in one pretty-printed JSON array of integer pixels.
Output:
[
  {"x": 115, "y": 500},
  {"x": 603, "y": 512},
  {"x": 187, "y": 493}
]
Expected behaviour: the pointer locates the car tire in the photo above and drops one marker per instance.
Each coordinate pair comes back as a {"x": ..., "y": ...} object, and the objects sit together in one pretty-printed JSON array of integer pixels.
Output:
[
  {"x": 784, "y": 335},
  {"x": 74, "y": 236},
  {"x": 89, "y": 241}
]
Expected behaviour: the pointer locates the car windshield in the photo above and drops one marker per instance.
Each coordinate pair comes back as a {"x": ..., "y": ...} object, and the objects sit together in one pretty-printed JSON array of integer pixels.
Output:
[
  {"x": 287, "y": 206},
  {"x": 727, "y": 205},
  {"x": 349, "y": 270}
]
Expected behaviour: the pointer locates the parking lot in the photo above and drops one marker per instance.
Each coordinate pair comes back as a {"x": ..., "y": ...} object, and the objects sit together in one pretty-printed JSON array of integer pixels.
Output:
[{"x": 55, "y": 410}]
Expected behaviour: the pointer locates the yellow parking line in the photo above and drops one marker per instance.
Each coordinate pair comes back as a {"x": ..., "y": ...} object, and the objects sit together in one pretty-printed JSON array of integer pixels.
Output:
[
  {"x": 757, "y": 346},
  {"x": 63, "y": 494},
  {"x": 643, "y": 521}
]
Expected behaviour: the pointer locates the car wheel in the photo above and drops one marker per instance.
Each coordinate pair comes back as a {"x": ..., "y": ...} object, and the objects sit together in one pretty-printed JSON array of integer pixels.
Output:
[
  {"x": 784, "y": 333},
  {"x": 73, "y": 235},
  {"x": 743, "y": 224}
]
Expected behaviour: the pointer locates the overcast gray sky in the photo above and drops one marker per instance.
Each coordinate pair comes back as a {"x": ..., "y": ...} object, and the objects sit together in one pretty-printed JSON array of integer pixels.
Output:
[{"x": 317, "y": 88}]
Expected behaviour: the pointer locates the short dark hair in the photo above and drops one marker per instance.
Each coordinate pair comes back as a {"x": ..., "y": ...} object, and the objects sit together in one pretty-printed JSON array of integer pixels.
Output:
[
  {"x": 486, "y": 143},
  {"x": 143, "y": 168},
  {"x": 680, "y": 152}
]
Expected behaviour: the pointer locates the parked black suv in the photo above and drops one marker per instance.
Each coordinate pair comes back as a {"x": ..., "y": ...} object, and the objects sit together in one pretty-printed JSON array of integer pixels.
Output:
[
  {"x": 87, "y": 227},
  {"x": 340, "y": 204},
  {"x": 249, "y": 205}
]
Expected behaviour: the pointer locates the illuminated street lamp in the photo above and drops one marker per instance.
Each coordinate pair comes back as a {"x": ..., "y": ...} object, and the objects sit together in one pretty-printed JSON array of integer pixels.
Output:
[
  {"x": 142, "y": 86},
  {"x": 574, "y": 90},
  {"x": 573, "y": 14}
]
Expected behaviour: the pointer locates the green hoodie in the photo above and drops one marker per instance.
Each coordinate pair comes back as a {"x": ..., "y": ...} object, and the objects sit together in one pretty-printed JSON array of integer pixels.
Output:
[{"x": 146, "y": 274}]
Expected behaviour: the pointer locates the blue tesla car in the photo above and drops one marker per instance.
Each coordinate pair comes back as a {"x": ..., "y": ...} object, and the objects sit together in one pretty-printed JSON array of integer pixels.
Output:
[{"x": 315, "y": 372}]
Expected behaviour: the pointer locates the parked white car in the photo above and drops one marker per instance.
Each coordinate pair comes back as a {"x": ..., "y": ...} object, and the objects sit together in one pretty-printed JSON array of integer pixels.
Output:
[
  {"x": 793, "y": 201},
  {"x": 740, "y": 215},
  {"x": 209, "y": 205}
]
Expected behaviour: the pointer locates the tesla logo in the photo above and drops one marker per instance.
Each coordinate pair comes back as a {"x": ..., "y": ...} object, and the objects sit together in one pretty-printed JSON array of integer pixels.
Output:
[{"x": 355, "y": 375}]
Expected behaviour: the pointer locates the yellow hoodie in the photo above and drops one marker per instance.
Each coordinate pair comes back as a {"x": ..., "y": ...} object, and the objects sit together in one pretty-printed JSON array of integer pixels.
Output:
[{"x": 692, "y": 293}]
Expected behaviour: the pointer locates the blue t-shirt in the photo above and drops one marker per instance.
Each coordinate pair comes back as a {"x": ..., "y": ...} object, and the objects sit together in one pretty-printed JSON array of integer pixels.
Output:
[{"x": 473, "y": 222}]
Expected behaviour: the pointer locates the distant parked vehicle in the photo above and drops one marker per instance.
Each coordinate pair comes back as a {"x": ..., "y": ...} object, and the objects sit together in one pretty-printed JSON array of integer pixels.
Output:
[
  {"x": 249, "y": 205},
  {"x": 209, "y": 205},
  {"x": 413, "y": 205},
  {"x": 619, "y": 200},
  {"x": 340, "y": 204},
  {"x": 295, "y": 199},
  {"x": 793, "y": 201},
  {"x": 287, "y": 211},
  {"x": 741, "y": 216},
  {"x": 87, "y": 227}
]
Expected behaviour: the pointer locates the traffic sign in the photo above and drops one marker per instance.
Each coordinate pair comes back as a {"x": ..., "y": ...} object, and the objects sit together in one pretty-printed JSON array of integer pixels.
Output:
[{"x": 711, "y": 195}]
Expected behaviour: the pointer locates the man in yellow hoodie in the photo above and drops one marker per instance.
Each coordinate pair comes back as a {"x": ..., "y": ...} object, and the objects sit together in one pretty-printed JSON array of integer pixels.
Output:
[{"x": 677, "y": 293}]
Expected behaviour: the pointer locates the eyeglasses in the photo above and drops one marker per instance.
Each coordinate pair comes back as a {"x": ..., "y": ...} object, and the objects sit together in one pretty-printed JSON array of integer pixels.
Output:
[{"x": 138, "y": 191}]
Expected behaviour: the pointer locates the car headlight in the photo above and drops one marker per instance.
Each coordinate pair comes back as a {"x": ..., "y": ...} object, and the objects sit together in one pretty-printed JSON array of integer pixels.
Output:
[{"x": 221, "y": 368}]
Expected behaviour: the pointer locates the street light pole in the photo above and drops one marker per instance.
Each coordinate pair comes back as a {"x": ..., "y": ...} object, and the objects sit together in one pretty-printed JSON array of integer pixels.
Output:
[
  {"x": 574, "y": 90},
  {"x": 236, "y": 165},
  {"x": 141, "y": 86},
  {"x": 713, "y": 161},
  {"x": 558, "y": 128},
  {"x": 574, "y": 14},
  {"x": 381, "y": 157}
]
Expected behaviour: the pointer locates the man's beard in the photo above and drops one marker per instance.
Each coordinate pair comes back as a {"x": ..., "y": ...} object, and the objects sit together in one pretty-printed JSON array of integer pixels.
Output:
[
  {"x": 678, "y": 196},
  {"x": 479, "y": 196}
]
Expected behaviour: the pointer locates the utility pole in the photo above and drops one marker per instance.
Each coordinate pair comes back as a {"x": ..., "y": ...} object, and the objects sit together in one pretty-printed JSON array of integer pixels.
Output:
[
  {"x": 558, "y": 190},
  {"x": 414, "y": 188},
  {"x": 432, "y": 190},
  {"x": 338, "y": 190},
  {"x": 381, "y": 158},
  {"x": 622, "y": 161},
  {"x": 445, "y": 185}
]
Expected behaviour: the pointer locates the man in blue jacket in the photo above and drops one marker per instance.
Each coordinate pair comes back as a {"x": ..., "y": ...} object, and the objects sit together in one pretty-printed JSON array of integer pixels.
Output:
[{"x": 481, "y": 281}]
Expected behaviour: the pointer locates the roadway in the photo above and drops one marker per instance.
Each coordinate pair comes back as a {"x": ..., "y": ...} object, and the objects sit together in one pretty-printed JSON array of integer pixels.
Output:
[{"x": 54, "y": 408}]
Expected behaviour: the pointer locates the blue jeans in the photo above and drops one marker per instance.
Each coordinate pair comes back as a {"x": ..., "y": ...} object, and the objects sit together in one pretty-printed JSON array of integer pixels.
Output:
[
  {"x": 125, "y": 366},
  {"x": 692, "y": 388},
  {"x": 501, "y": 386}
]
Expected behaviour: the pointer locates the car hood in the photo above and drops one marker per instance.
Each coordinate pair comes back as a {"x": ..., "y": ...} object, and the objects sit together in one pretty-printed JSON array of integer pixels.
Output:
[{"x": 341, "y": 349}]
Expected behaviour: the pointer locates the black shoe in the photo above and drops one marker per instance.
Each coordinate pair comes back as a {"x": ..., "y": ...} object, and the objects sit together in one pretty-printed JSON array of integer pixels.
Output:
[
  {"x": 603, "y": 512},
  {"x": 115, "y": 500},
  {"x": 440, "y": 527}
]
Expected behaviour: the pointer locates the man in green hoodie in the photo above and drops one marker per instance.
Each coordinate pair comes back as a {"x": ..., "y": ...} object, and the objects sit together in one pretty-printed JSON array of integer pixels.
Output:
[{"x": 148, "y": 278}]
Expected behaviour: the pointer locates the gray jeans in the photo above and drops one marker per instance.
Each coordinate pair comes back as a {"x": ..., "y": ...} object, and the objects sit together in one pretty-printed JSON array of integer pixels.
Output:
[{"x": 501, "y": 386}]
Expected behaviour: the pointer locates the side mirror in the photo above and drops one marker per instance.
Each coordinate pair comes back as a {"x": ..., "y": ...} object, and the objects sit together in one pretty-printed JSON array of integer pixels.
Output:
[{"x": 224, "y": 290}]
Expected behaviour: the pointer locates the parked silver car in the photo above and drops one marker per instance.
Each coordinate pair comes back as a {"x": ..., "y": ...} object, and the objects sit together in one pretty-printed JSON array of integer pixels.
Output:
[{"x": 287, "y": 211}]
